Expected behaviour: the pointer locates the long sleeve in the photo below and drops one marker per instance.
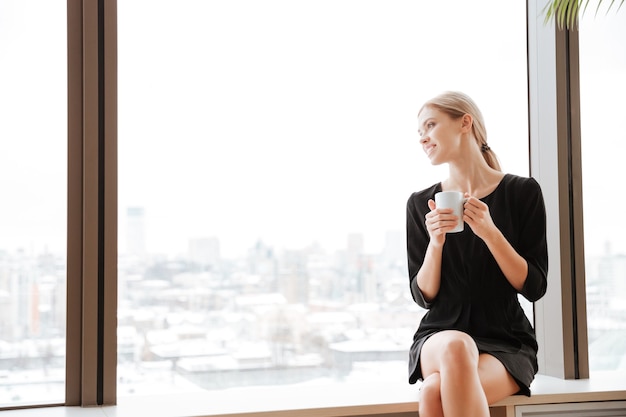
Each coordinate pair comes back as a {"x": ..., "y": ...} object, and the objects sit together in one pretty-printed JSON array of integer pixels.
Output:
[
  {"x": 417, "y": 239},
  {"x": 533, "y": 244}
]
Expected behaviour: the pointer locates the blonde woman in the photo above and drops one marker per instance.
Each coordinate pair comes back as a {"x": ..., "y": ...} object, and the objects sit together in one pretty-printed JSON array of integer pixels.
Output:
[{"x": 474, "y": 346}]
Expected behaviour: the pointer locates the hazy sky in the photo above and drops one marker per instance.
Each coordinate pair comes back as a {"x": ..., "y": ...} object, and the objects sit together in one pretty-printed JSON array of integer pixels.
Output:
[
  {"x": 296, "y": 121},
  {"x": 33, "y": 124},
  {"x": 603, "y": 88},
  {"x": 288, "y": 121}
]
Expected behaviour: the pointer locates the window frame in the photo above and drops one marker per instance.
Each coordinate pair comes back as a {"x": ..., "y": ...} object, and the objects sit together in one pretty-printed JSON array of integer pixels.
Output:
[
  {"x": 555, "y": 161},
  {"x": 91, "y": 350}
]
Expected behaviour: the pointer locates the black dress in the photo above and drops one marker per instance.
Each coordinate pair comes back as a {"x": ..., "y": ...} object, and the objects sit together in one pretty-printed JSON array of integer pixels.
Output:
[{"x": 474, "y": 296}]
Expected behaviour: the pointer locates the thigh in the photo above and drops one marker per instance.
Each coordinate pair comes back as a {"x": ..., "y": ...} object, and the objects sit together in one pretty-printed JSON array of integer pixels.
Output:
[
  {"x": 495, "y": 379},
  {"x": 435, "y": 346}
]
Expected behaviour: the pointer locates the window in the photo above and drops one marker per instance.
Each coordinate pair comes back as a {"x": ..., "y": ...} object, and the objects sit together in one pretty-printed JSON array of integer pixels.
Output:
[
  {"x": 33, "y": 161},
  {"x": 266, "y": 153},
  {"x": 494, "y": 74},
  {"x": 602, "y": 88}
]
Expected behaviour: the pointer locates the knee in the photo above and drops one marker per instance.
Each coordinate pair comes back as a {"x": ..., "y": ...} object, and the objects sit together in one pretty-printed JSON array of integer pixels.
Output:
[
  {"x": 430, "y": 395},
  {"x": 460, "y": 350}
]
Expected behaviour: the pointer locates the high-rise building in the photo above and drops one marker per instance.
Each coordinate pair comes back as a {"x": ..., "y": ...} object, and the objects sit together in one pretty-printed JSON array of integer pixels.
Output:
[
  {"x": 204, "y": 251},
  {"x": 355, "y": 248},
  {"x": 394, "y": 251},
  {"x": 135, "y": 231}
]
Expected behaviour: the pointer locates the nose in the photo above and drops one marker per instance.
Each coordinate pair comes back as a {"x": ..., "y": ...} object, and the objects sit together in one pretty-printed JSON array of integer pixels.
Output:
[{"x": 424, "y": 139}]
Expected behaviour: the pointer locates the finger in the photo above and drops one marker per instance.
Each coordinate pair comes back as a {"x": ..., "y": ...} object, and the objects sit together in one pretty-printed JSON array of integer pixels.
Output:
[
  {"x": 472, "y": 215},
  {"x": 473, "y": 201},
  {"x": 446, "y": 222},
  {"x": 431, "y": 204},
  {"x": 470, "y": 211},
  {"x": 435, "y": 220}
]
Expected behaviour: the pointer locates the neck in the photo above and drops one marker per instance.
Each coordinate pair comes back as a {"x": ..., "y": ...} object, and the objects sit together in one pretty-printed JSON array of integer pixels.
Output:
[{"x": 472, "y": 177}]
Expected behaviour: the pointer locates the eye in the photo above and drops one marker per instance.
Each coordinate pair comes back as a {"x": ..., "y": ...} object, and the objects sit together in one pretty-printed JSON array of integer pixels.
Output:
[{"x": 427, "y": 126}]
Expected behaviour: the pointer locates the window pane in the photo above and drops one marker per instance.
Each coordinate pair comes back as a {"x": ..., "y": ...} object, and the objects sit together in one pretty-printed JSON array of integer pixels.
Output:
[
  {"x": 33, "y": 168},
  {"x": 603, "y": 88},
  {"x": 267, "y": 151}
]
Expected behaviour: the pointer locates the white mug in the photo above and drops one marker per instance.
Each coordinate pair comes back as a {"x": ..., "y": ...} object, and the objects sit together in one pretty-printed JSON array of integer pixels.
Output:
[{"x": 455, "y": 201}]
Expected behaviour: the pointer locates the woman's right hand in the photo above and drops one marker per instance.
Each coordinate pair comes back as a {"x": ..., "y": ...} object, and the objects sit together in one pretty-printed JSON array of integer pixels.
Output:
[{"x": 438, "y": 223}]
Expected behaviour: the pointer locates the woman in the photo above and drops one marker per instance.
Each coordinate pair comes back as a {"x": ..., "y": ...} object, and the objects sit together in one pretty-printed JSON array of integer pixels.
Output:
[{"x": 474, "y": 346}]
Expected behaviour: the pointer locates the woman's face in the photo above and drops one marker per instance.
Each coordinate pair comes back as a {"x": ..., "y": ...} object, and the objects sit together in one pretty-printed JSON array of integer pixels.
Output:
[{"x": 440, "y": 135}]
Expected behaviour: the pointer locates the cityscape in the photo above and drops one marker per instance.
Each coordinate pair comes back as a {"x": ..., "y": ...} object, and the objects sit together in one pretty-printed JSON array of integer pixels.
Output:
[
  {"x": 202, "y": 322},
  {"x": 269, "y": 318}
]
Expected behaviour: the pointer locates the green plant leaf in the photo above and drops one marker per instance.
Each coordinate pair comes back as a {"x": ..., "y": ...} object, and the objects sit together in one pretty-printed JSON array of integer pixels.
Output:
[{"x": 566, "y": 13}]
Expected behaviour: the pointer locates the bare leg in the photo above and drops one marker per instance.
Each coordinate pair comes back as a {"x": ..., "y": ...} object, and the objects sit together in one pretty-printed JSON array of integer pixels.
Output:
[
  {"x": 430, "y": 397},
  {"x": 454, "y": 356},
  {"x": 495, "y": 379}
]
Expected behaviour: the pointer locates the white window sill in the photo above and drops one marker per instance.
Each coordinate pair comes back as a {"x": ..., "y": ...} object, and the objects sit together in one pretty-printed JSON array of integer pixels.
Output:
[
  {"x": 349, "y": 400},
  {"x": 607, "y": 386}
]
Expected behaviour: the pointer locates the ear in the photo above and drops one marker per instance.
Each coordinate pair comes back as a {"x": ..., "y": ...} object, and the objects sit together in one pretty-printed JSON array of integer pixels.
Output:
[{"x": 466, "y": 122}]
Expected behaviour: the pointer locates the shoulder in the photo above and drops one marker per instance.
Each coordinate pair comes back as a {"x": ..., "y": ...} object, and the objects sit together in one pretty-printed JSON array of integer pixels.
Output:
[
  {"x": 419, "y": 198},
  {"x": 417, "y": 207},
  {"x": 526, "y": 185},
  {"x": 523, "y": 194}
]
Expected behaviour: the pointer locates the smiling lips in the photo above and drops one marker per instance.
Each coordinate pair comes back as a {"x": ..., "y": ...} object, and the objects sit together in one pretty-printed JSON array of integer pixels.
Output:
[{"x": 429, "y": 149}]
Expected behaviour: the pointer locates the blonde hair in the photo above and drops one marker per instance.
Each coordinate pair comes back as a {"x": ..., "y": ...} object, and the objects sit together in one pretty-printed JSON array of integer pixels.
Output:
[{"x": 456, "y": 105}]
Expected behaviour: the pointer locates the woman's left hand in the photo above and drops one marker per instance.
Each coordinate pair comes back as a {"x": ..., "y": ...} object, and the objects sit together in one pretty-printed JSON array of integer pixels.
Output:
[{"x": 476, "y": 215}]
